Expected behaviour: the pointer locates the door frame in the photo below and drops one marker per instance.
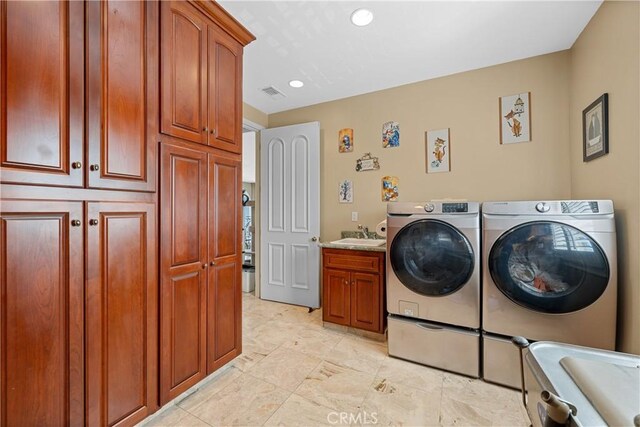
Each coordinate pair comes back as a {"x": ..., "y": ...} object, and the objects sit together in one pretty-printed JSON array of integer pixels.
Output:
[{"x": 249, "y": 126}]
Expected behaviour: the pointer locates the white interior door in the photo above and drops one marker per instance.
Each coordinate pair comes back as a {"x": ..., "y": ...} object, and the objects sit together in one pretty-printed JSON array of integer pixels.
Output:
[{"x": 290, "y": 214}]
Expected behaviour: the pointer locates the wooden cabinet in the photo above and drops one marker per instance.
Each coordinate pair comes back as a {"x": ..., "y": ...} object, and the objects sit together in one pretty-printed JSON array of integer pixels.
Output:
[
  {"x": 224, "y": 287},
  {"x": 95, "y": 344},
  {"x": 92, "y": 331},
  {"x": 353, "y": 288},
  {"x": 42, "y": 96},
  {"x": 201, "y": 79},
  {"x": 42, "y": 346},
  {"x": 122, "y": 94},
  {"x": 183, "y": 263},
  {"x": 200, "y": 264},
  {"x": 43, "y": 107},
  {"x": 121, "y": 313}
]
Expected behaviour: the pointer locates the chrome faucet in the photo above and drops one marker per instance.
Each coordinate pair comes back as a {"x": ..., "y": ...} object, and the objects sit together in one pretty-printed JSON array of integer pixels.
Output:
[{"x": 365, "y": 231}]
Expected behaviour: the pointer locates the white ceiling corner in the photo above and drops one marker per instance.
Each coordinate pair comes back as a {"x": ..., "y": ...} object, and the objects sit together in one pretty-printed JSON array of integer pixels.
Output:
[{"x": 408, "y": 41}]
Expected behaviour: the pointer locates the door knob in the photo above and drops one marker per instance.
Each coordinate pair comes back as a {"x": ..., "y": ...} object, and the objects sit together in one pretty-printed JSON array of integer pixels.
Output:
[
  {"x": 212, "y": 263},
  {"x": 94, "y": 167},
  {"x": 75, "y": 223},
  {"x": 204, "y": 129},
  {"x": 314, "y": 239},
  {"x": 346, "y": 282},
  {"x": 93, "y": 222},
  {"x": 204, "y": 266},
  {"x": 76, "y": 165}
]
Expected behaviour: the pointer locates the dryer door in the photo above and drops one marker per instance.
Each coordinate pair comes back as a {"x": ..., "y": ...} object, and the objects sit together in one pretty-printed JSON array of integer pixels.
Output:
[
  {"x": 431, "y": 257},
  {"x": 549, "y": 267}
]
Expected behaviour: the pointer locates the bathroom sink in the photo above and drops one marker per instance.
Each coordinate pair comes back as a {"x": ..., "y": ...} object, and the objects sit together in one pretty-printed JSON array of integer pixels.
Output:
[{"x": 360, "y": 242}]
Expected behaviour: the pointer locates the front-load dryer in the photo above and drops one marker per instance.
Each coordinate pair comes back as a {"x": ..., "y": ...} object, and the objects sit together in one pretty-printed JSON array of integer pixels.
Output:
[
  {"x": 549, "y": 274},
  {"x": 433, "y": 284}
]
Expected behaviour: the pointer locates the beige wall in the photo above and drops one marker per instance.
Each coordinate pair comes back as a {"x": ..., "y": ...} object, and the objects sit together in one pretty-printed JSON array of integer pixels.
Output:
[
  {"x": 254, "y": 115},
  {"x": 606, "y": 58},
  {"x": 467, "y": 103}
]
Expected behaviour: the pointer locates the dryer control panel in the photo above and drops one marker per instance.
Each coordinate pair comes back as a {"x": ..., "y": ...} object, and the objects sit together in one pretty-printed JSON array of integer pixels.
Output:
[{"x": 455, "y": 207}]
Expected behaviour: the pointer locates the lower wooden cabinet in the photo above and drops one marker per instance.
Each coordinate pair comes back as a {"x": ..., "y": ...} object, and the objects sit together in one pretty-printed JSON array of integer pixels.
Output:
[
  {"x": 79, "y": 346},
  {"x": 200, "y": 264},
  {"x": 42, "y": 345},
  {"x": 121, "y": 313},
  {"x": 353, "y": 289}
]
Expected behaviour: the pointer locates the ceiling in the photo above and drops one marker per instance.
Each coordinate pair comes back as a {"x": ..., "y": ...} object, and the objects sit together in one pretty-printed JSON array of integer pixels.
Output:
[{"x": 408, "y": 41}]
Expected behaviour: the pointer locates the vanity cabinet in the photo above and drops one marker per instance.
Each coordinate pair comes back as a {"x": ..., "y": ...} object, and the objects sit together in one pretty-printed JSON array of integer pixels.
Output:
[{"x": 353, "y": 288}]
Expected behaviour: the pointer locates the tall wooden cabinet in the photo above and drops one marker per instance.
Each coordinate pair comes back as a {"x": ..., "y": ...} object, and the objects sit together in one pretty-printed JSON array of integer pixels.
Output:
[
  {"x": 200, "y": 192},
  {"x": 94, "y": 326},
  {"x": 201, "y": 263}
]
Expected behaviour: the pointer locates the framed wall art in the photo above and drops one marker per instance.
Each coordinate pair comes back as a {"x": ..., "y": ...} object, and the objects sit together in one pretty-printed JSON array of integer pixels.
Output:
[
  {"x": 390, "y": 135},
  {"x": 345, "y": 141},
  {"x": 390, "y": 188},
  {"x": 345, "y": 191},
  {"x": 515, "y": 118},
  {"x": 438, "y": 151},
  {"x": 595, "y": 129},
  {"x": 367, "y": 163}
]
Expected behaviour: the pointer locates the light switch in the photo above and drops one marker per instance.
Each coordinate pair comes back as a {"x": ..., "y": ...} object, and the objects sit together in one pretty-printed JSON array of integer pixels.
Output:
[{"x": 354, "y": 216}]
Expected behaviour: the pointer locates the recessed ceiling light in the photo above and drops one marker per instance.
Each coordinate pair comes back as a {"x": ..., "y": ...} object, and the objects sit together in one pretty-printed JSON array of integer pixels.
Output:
[
  {"x": 361, "y": 17},
  {"x": 296, "y": 83}
]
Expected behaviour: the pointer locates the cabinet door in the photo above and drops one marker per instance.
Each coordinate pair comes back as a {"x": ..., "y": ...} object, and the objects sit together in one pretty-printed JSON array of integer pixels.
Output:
[
  {"x": 224, "y": 310},
  {"x": 41, "y": 76},
  {"x": 365, "y": 301},
  {"x": 121, "y": 301},
  {"x": 42, "y": 314},
  {"x": 183, "y": 258},
  {"x": 122, "y": 95},
  {"x": 225, "y": 91},
  {"x": 336, "y": 304},
  {"x": 183, "y": 71}
]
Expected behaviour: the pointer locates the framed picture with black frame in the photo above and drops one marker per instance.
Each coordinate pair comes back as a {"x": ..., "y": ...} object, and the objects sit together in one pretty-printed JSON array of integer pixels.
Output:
[{"x": 595, "y": 129}]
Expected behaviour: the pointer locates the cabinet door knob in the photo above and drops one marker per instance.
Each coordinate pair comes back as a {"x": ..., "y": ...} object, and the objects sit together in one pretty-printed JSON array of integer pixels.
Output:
[
  {"x": 94, "y": 167},
  {"x": 93, "y": 222},
  {"x": 204, "y": 266},
  {"x": 314, "y": 239},
  {"x": 346, "y": 282},
  {"x": 76, "y": 165},
  {"x": 204, "y": 129},
  {"x": 75, "y": 223},
  {"x": 212, "y": 263}
]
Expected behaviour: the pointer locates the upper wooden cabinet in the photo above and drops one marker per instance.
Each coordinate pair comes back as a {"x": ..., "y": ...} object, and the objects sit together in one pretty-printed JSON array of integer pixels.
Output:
[
  {"x": 225, "y": 91},
  {"x": 43, "y": 107},
  {"x": 42, "y": 96},
  {"x": 122, "y": 94},
  {"x": 201, "y": 73}
]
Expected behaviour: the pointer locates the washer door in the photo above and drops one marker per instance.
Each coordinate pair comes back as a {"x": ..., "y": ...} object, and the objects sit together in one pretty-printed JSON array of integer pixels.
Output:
[
  {"x": 431, "y": 257},
  {"x": 549, "y": 267}
]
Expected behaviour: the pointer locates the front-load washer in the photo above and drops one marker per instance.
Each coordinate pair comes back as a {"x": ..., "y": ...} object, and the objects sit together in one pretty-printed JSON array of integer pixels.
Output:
[
  {"x": 433, "y": 284},
  {"x": 549, "y": 273}
]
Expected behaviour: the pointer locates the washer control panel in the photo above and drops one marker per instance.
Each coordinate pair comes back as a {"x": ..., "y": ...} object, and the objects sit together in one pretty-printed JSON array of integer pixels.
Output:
[
  {"x": 429, "y": 207},
  {"x": 455, "y": 207}
]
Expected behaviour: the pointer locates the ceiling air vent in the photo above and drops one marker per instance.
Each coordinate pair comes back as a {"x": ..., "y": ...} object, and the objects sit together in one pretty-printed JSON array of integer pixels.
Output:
[{"x": 273, "y": 92}]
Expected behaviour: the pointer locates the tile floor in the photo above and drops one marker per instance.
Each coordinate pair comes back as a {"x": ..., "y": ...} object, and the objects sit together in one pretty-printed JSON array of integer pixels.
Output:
[{"x": 295, "y": 372}]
